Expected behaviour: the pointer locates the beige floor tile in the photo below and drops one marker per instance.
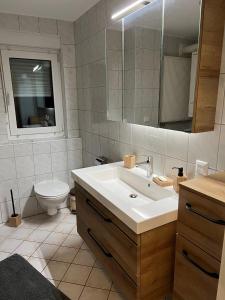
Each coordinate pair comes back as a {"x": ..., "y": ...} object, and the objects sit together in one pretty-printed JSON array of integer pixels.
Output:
[
  {"x": 98, "y": 279},
  {"x": 34, "y": 222},
  {"x": 65, "y": 254},
  {"x": 85, "y": 258},
  {"x": 77, "y": 274},
  {"x": 56, "y": 238},
  {"x": 74, "y": 231},
  {"x": 21, "y": 233},
  {"x": 72, "y": 219},
  {"x": 73, "y": 291},
  {"x": 64, "y": 228},
  {"x": 38, "y": 235},
  {"x": 10, "y": 245},
  {"x": 6, "y": 230},
  {"x": 55, "y": 270},
  {"x": 94, "y": 294},
  {"x": 115, "y": 296},
  {"x": 54, "y": 282},
  {"x": 84, "y": 246},
  {"x": 3, "y": 255},
  {"x": 38, "y": 263},
  {"x": 73, "y": 240},
  {"x": 46, "y": 251},
  {"x": 27, "y": 248},
  {"x": 48, "y": 226}
]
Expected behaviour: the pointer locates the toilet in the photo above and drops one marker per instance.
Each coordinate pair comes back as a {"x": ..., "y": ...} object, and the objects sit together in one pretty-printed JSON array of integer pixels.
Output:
[{"x": 51, "y": 194}]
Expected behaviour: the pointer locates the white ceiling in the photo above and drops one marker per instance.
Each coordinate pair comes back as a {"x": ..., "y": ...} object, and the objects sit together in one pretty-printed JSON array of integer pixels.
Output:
[{"x": 69, "y": 10}]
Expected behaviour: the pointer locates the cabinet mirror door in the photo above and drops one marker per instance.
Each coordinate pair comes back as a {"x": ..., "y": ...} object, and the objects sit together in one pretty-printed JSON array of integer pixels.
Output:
[{"x": 179, "y": 63}]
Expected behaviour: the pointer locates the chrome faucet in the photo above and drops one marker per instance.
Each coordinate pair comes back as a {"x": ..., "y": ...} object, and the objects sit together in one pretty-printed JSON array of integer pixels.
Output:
[{"x": 149, "y": 165}]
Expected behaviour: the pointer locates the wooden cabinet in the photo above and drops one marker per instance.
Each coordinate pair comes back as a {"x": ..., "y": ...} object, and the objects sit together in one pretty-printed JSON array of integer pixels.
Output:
[
  {"x": 209, "y": 62},
  {"x": 200, "y": 238},
  {"x": 141, "y": 266}
]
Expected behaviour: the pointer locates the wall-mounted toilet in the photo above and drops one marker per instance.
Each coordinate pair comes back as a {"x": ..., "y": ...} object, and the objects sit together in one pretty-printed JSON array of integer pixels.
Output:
[{"x": 50, "y": 194}]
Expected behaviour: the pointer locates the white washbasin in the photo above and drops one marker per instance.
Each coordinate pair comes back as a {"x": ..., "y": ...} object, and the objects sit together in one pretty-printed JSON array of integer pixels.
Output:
[{"x": 115, "y": 186}]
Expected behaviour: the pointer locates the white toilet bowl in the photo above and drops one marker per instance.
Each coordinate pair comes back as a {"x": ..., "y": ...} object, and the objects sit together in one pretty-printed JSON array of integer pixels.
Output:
[{"x": 51, "y": 194}]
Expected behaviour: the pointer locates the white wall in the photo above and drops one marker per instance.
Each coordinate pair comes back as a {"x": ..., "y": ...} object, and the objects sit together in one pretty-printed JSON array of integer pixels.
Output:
[
  {"x": 114, "y": 139},
  {"x": 22, "y": 163}
]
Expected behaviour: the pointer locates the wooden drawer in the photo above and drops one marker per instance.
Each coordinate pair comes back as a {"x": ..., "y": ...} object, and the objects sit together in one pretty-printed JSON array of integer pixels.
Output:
[
  {"x": 119, "y": 276},
  {"x": 203, "y": 222},
  {"x": 124, "y": 250},
  {"x": 196, "y": 273}
]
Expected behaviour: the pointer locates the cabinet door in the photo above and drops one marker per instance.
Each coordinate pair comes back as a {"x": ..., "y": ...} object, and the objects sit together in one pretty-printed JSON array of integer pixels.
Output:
[{"x": 196, "y": 273}]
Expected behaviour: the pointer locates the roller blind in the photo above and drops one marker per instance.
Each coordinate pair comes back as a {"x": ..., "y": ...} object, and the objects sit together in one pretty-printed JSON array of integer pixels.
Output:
[{"x": 31, "y": 77}]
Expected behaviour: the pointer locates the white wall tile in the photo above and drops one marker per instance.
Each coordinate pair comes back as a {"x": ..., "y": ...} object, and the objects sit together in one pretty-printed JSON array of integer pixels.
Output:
[
  {"x": 6, "y": 151},
  {"x": 204, "y": 146},
  {"x": 177, "y": 145},
  {"x": 59, "y": 161},
  {"x": 26, "y": 187},
  {"x": 74, "y": 144},
  {"x": 70, "y": 77},
  {"x": 23, "y": 149},
  {"x": 71, "y": 98},
  {"x": 7, "y": 169},
  {"x": 68, "y": 55},
  {"x": 9, "y": 22},
  {"x": 48, "y": 26},
  {"x": 221, "y": 154},
  {"x": 42, "y": 147},
  {"x": 28, "y": 206},
  {"x": 42, "y": 164},
  {"x": 72, "y": 120},
  {"x": 58, "y": 146},
  {"x": 5, "y": 187},
  {"x": 29, "y": 24},
  {"x": 65, "y": 30},
  {"x": 24, "y": 166},
  {"x": 74, "y": 159}
]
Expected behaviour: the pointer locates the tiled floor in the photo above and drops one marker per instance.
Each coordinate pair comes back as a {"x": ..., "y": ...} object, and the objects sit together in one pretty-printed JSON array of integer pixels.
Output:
[{"x": 53, "y": 246}]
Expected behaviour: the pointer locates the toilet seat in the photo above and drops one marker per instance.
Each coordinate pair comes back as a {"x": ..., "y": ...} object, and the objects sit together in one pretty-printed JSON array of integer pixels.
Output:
[{"x": 51, "y": 189}]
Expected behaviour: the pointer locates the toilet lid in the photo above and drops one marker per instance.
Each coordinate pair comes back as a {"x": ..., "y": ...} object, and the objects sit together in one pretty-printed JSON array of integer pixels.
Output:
[{"x": 51, "y": 188}]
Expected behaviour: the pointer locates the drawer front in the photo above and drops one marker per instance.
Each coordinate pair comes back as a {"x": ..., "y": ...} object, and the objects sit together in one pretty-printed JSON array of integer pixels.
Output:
[
  {"x": 119, "y": 277},
  {"x": 123, "y": 249},
  {"x": 206, "y": 218},
  {"x": 196, "y": 273}
]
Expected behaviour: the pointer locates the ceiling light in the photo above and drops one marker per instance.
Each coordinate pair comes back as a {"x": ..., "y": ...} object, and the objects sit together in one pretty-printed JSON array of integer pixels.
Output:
[{"x": 130, "y": 8}]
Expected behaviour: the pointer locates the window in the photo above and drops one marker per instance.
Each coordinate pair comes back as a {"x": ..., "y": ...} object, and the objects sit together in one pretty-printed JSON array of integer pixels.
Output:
[{"x": 33, "y": 90}]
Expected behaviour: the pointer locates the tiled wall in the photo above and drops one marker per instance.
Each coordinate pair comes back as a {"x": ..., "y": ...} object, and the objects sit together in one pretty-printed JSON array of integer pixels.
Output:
[
  {"x": 114, "y": 139},
  {"x": 26, "y": 162}
]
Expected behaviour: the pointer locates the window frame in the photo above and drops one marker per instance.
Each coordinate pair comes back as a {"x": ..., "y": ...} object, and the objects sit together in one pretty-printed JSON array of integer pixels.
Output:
[{"x": 14, "y": 131}]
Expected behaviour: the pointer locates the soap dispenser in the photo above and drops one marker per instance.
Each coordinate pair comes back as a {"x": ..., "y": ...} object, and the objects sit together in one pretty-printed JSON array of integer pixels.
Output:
[{"x": 179, "y": 178}]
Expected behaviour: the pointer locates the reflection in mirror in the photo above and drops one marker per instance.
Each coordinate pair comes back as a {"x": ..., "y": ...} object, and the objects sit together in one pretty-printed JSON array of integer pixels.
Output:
[
  {"x": 179, "y": 63},
  {"x": 114, "y": 71},
  {"x": 142, "y": 46}
]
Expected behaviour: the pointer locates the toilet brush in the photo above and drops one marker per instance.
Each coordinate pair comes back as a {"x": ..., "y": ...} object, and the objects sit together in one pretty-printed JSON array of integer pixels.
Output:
[{"x": 15, "y": 219}]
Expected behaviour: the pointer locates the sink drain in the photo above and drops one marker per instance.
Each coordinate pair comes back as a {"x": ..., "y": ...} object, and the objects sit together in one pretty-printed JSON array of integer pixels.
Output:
[{"x": 133, "y": 195}]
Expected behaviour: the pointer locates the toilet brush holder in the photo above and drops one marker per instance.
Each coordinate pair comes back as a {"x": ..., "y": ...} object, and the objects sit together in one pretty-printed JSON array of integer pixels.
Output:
[{"x": 15, "y": 219}]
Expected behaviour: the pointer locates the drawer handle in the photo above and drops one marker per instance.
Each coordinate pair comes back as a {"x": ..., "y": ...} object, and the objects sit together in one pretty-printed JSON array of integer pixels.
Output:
[
  {"x": 195, "y": 211},
  {"x": 108, "y": 220},
  {"x": 108, "y": 254},
  {"x": 187, "y": 257}
]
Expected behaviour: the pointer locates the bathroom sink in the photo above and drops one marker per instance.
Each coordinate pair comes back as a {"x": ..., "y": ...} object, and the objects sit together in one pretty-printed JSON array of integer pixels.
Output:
[{"x": 130, "y": 195}]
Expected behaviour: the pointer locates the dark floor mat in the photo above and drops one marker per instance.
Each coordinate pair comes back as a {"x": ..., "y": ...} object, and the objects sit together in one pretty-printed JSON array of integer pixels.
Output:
[{"x": 20, "y": 281}]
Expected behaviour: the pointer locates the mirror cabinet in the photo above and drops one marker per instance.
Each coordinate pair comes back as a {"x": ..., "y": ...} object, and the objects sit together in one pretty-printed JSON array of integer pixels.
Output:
[{"x": 163, "y": 65}]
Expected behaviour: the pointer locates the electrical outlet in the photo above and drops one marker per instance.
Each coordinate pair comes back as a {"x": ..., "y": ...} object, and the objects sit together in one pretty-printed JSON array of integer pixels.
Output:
[{"x": 201, "y": 168}]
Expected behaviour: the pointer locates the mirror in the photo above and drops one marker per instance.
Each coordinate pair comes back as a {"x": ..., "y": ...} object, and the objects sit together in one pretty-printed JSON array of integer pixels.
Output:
[
  {"x": 142, "y": 48},
  {"x": 179, "y": 63},
  {"x": 152, "y": 60}
]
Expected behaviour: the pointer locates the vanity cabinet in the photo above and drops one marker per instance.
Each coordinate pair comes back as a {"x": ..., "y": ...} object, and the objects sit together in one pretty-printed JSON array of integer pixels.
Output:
[
  {"x": 200, "y": 238},
  {"x": 140, "y": 265}
]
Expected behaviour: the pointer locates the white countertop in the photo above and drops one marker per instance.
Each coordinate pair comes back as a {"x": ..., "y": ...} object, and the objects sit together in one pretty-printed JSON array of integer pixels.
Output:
[{"x": 140, "y": 214}]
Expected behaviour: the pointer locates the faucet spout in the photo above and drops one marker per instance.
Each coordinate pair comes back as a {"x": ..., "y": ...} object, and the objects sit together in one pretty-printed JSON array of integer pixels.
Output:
[{"x": 149, "y": 165}]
